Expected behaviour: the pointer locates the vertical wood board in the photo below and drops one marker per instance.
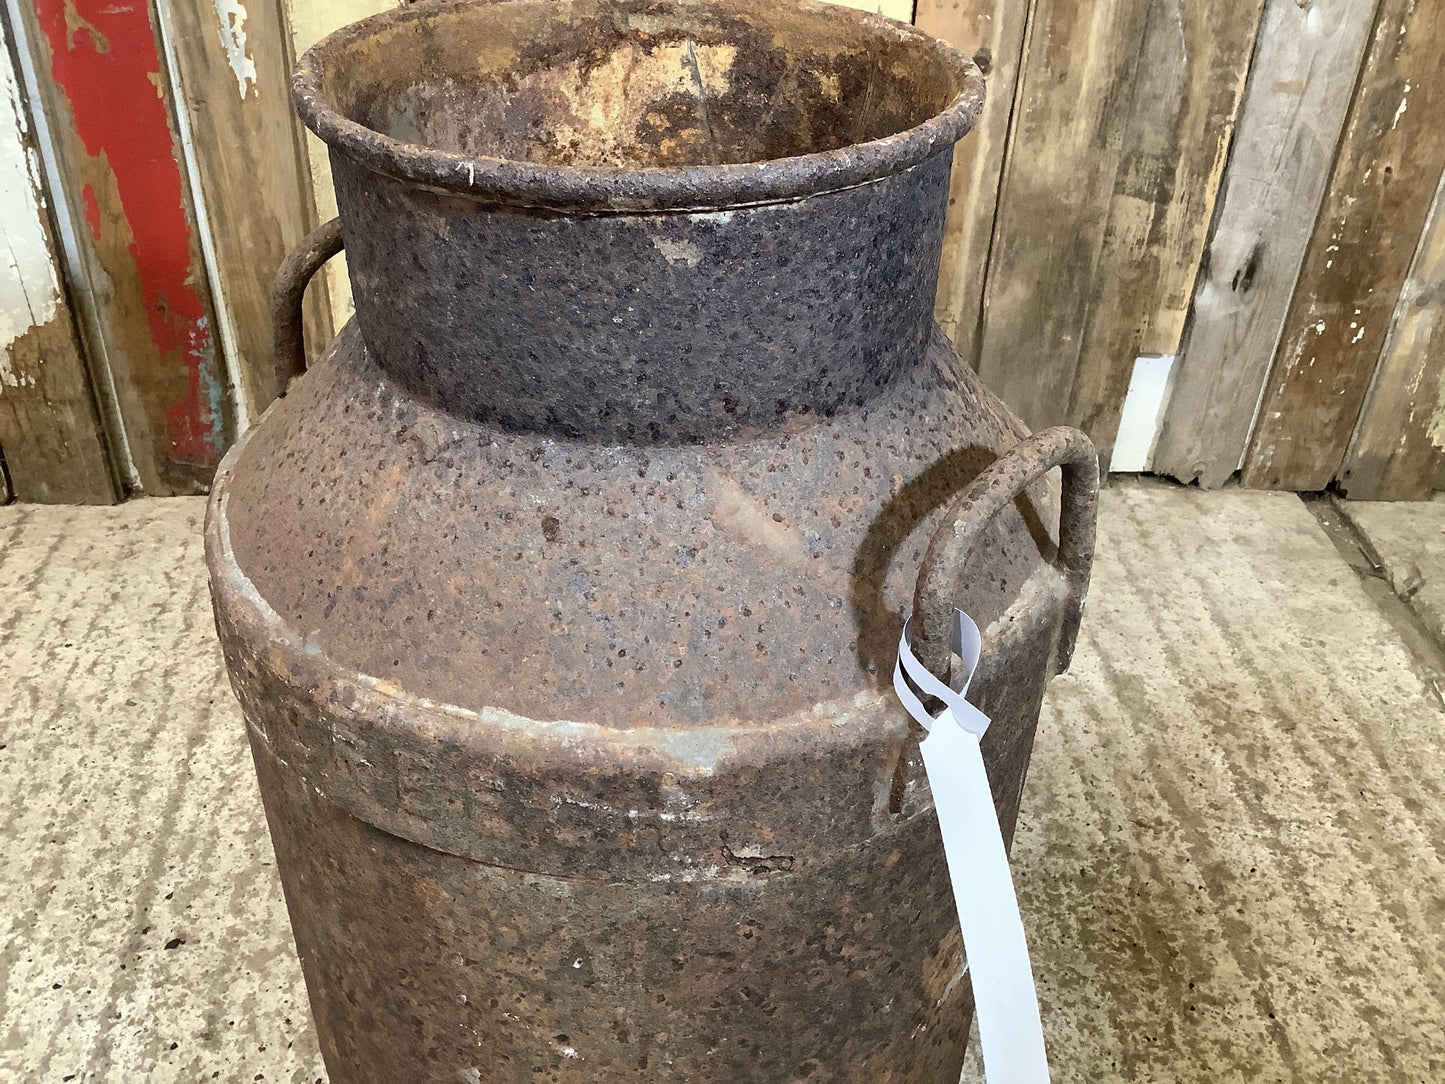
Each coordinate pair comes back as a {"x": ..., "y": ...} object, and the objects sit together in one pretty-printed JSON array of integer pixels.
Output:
[
  {"x": 233, "y": 66},
  {"x": 992, "y": 31},
  {"x": 1123, "y": 119},
  {"x": 1379, "y": 198},
  {"x": 50, "y": 434},
  {"x": 116, "y": 147},
  {"x": 1189, "y": 82},
  {"x": 310, "y": 21},
  {"x": 1398, "y": 449},
  {"x": 1295, "y": 104}
]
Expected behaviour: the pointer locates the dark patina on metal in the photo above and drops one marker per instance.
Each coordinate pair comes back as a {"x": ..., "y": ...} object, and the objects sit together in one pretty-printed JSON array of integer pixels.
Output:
[
  {"x": 640, "y": 221},
  {"x": 562, "y": 595}
]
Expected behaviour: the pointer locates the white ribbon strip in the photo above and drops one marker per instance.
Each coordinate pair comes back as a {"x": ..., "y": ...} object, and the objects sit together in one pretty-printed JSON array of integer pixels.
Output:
[{"x": 988, "y": 912}]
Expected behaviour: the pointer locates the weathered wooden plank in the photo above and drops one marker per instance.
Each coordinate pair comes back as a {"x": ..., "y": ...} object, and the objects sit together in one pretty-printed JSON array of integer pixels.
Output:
[
  {"x": 1398, "y": 450},
  {"x": 231, "y": 62},
  {"x": 1075, "y": 93},
  {"x": 103, "y": 93},
  {"x": 1123, "y": 120},
  {"x": 1295, "y": 105},
  {"x": 992, "y": 31},
  {"x": 310, "y": 21},
  {"x": 1379, "y": 197},
  {"x": 1188, "y": 84},
  {"x": 50, "y": 433}
]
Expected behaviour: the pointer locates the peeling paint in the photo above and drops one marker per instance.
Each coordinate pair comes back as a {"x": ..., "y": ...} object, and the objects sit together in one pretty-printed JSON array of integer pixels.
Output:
[
  {"x": 104, "y": 59},
  {"x": 1404, "y": 104},
  {"x": 231, "y": 22},
  {"x": 29, "y": 287},
  {"x": 1435, "y": 431}
]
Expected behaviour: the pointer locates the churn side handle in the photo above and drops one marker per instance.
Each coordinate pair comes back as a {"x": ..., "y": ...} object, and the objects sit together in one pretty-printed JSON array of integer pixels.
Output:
[
  {"x": 287, "y": 291},
  {"x": 988, "y": 495}
]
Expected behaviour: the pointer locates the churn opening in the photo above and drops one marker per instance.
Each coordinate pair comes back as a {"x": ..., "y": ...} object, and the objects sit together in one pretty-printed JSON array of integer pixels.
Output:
[{"x": 602, "y": 86}]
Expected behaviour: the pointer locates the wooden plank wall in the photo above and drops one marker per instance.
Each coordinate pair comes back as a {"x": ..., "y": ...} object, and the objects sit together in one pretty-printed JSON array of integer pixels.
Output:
[
  {"x": 103, "y": 90},
  {"x": 1395, "y": 452},
  {"x": 1123, "y": 117},
  {"x": 992, "y": 32},
  {"x": 1299, "y": 91},
  {"x": 1212, "y": 183},
  {"x": 1129, "y": 217},
  {"x": 232, "y": 65},
  {"x": 51, "y": 440},
  {"x": 1385, "y": 176}
]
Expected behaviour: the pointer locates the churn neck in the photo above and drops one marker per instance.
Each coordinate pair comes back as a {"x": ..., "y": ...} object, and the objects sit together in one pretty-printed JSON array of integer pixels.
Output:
[{"x": 640, "y": 220}]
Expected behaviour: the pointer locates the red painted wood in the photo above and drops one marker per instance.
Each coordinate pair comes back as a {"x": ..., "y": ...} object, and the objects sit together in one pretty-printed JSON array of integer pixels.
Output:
[
  {"x": 106, "y": 61},
  {"x": 92, "y": 211}
]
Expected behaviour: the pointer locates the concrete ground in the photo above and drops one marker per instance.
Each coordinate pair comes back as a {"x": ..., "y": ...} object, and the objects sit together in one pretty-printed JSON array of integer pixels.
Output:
[
  {"x": 1231, "y": 859},
  {"x": 1407, "y": 544}
]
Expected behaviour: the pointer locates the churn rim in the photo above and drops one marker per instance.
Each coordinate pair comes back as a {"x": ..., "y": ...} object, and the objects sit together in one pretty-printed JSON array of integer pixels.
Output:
[{"x": 644, "y": 189}]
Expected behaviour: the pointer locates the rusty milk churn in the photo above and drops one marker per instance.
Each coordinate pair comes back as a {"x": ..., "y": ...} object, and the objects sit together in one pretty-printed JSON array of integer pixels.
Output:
[{"x": 562, "y": 594}]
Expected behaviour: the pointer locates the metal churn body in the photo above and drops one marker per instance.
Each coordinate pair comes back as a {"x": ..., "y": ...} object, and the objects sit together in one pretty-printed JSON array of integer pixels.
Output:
[{"x": 561, "y": 595}]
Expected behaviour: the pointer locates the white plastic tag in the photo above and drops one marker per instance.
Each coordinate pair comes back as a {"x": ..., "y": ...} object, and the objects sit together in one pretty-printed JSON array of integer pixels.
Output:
[{"x": 1006, "y": 1004}]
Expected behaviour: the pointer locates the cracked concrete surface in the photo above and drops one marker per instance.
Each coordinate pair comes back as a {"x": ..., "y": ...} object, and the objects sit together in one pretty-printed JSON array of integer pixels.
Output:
[
  {"x": 142, "y": 933},
  {"x": 1408, "y": 542},
  {"x": 1231, "y": 858}
]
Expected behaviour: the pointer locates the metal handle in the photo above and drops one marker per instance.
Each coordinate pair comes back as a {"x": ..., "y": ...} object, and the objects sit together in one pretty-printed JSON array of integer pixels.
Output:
[
  {"x": 988, "y": 495},
  {"x": 287, "y": 292}
]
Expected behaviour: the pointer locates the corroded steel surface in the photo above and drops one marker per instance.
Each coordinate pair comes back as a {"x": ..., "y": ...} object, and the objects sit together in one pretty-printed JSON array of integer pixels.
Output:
[
  {"x": 801, "y": 156},
  {"x": 287, "y": 294},
  {"x": 602, "y": 106},
  {"x": 662, "y": 585},
  {"x": 561, "y": 596},
  {"x": 459, "y": 741},
  {"x": 425, "y": 966},
  {"x": 661, "y": 328},
  {"x": 990, "y": 494},
  {"x": 762, "y": 653}
]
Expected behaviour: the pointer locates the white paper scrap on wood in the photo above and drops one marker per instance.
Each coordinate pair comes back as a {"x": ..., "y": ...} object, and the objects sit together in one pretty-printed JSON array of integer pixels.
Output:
[{"x": 1142, "y": 414}]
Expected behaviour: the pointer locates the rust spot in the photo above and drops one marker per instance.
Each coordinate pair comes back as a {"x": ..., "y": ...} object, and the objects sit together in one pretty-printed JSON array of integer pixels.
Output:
[{"x": 944, "y": 967}]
